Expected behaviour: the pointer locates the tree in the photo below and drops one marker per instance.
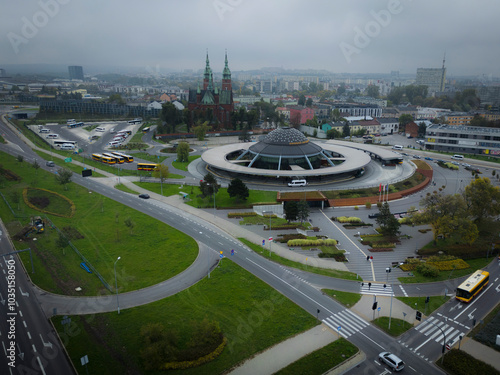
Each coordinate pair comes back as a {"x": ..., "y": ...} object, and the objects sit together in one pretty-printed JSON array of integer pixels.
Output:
[
  {"x": 61, "y": 242},
  {"x": 404, "y": 120},
  {"x": 20, "y": 158},
  {"x": 421, "y": 130},
  {"x": 333, "y": 133},
  {"x": 162, "y": 173},
  {"x": 63, "y": 177},
  {"x": 346, "y": 130},
  {"x": 208, "y": 186},
  {"x": 183, "y": 152},
  {"x": 335, "y": 116},
  {"x": 244, "y": 136},
  {"x": 238, "y": 189},
  {"x": 309, "y": 102},
  {"x": 291, "y": 211},
  {"x": 372, "y": 91},
  {"x": 200, "y": 130},
  {"x": 129, "y": 224},
  {"x": 341, "y": 90},
  {"x": 170, "y": 114},
  {"x": 302, "y": 211},
  {"x": 116, "y": 98},
  {"x": 302, "y": 100},
  {"x": 389, "y": 225},
  {"x": 482, "y": 199},
  {"x": 36, "y": 166}
]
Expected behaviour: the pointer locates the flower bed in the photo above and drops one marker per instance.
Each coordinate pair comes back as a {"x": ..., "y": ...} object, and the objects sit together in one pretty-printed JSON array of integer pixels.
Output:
[{"x": 380, "y": 249}]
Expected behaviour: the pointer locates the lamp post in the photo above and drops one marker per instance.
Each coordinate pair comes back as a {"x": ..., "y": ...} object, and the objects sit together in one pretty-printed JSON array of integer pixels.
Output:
[
  {"x": 270, "y": 213},
  {"x": 388, "y": 270},
  {"x": 116, "y": 287}
]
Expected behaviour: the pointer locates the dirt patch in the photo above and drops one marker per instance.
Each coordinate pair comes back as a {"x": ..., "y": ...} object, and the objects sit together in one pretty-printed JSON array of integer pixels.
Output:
[
  {"x": 39, "y": 202},
  {"x": 72, "y": 233},
  {"x": 9, "y": 175}
]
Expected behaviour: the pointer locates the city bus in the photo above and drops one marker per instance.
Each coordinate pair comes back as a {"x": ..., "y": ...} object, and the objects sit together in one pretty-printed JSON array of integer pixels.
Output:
[
  {"x": 108, "y": 160},
  {"x": 96, "y": 157},
  {"x": 146, "y": 129},
  {"x": 127, "y": 158},
  {"x": 119, "y": 159},
  {"x": 146, "y": 166},
  {"x": 472, "y": 286},
  {"x": 75, "y": 125}
]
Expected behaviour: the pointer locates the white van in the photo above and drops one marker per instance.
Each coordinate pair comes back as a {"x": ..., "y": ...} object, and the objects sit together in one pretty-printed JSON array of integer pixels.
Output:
[
  {"x": 297, "y": 183},
  {"x": 52, "y": 136},
  {"x": 458, "y": 157},
  {"x": 44, "y": 130},
  {"x": 67, "y": 146},
  {"x": 397, "y": 147},
  {"x": 114, "y": 143},
  {"x": 100, "y": 129},
  {"x": 70, "y": 121}
]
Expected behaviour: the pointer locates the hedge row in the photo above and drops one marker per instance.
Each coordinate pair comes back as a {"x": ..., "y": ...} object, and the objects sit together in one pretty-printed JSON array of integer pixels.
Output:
[
  {"x": 197, "y": 362},
  {"x": 233, "y": 215},
  {"x": 445, "y": 265},
  {"x": 337, "y": 257},
  {"x": 348, "y": 219},
  {"x": 287, "y": 237},
  {"x": 380, "y": 249},
  {"x": 301, "y": 242}
]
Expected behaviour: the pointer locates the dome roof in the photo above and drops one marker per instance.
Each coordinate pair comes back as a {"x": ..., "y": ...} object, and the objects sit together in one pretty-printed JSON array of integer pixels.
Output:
[
  {"x": 285, "y": 136},
  {"x": 288, "y": 142}
]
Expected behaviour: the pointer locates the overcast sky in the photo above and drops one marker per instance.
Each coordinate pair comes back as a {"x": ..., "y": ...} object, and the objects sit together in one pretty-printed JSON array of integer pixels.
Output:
[{"x": 353, "y": 36}]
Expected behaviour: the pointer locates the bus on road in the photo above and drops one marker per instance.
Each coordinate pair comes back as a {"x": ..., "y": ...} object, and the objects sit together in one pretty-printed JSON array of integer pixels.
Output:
[
  {"x": 119, "y": 159},
  {"x": 471, "y": 287},
  {"x": 147, "y": 166},
  {"x": 75, "y": 125}
]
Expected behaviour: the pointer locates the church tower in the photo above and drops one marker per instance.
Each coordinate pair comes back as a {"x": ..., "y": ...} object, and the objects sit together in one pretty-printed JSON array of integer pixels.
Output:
[
  {"x": 207, "y": 76},
  {"x": 226, "y": 77}
]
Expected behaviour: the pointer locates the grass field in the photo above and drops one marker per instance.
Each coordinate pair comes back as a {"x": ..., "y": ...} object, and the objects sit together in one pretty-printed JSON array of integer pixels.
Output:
[
  {"x": 150, "y": 251},
  {"x": 251, "y": 314}
]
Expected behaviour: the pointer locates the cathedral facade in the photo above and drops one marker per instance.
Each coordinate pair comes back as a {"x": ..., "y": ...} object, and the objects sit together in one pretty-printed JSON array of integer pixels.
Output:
[{"x": 211, "y": 102}]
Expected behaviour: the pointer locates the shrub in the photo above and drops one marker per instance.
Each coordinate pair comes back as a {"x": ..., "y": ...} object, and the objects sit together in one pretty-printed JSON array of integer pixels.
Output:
[
  {"x": 356, "y": 208},
  {"x": 427, "y": 270},
  {"x": 306, "y": 242},
  {"x": 241, "y": 214},
  {"x": 368, "y": 205},
  {"x": 350, "y": 219}
]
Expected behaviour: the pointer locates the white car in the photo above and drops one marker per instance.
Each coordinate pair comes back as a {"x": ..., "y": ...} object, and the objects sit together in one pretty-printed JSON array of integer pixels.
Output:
[
  {"x": 465, "y": 165},
  {"x": 391, "y": 360}
]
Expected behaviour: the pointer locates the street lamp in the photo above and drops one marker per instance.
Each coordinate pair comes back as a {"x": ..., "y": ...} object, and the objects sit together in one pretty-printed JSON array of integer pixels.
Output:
[
  {"x": 270, "y": 213},
  {"x": 116, "y": 287},
  {"x": 444, "y": 339},
  {"x": 388, "y": 271}
]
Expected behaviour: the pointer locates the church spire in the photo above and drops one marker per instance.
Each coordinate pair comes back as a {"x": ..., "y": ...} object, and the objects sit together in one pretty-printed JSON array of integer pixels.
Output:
[
  {"x": 226, "y": 73},
  {"x": 207, "y": 76}
]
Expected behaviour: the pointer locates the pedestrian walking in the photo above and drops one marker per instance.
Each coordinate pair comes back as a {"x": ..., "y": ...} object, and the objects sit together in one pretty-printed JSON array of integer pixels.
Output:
[
  {"x": 369, "y": 286},
  {"x": 367, "y": 258}
]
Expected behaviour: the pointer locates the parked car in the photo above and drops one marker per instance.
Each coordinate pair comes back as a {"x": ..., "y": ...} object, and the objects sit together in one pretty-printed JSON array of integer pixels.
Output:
[
  {"x": 391, "y": 360},
  {"x": 465, "y": 165},
  {"x": 455, "y": 162},
  {"x": 144, "y": 196}
]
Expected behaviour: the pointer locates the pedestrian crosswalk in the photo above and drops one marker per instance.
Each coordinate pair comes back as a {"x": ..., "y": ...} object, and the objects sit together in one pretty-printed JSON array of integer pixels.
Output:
[
  {"x": 376, "y": 289},
  {"x": 345, "y": 323},
  {"x": 438, "y": 331}
]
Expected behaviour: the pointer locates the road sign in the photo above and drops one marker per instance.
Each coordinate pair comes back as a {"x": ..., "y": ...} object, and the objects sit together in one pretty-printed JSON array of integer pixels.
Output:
[
  {"x": 338, "y": 328},
  {"x": 378, "y": 308},
  {"x": 270, "y": 238},
  {"x": 68, "y": 160},
  {"x": 263, "y": 242},
  {"x": 448, "y": 347},
  {"x": 232, "y": 252}
]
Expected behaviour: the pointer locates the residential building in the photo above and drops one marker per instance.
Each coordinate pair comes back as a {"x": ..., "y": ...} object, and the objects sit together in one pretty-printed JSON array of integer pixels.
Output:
[
  {"x": 433, "y": 78},
  {"x": 358, "y": 109},
  {"x": 425, "y": 113},
  {"x": 75, "y": 72},
  {"x": 489, "y": 95},
  {"x": 463, "y": 139},
  {"x": 300, "y": 114},
  {"x": 458, "y": 118},
  {"x": 370, "y": 126},
  {"x": 411, "y": 130},
  {"x": 388, "y": 125}
]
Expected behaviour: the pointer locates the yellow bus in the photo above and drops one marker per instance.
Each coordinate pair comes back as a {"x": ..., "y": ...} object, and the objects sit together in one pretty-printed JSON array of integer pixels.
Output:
[
  {"x": 127, "y": 158},
  {"x": 108, "y": 159},
  {"x": 96, "y": 157},
  {"x": 146, "y": 166},
  {"x": 119, "y": 159},
  {"x": 472, "y": 286}
]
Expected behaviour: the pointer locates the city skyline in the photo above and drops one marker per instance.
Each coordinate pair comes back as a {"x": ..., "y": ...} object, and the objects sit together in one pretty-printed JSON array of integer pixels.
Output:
[{"x": 338, "y": 37}]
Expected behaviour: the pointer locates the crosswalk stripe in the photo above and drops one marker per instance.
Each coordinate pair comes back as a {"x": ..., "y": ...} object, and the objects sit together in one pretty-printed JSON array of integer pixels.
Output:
[
  {"x": 348, "y": 321},
  {"x": 364, "y": 322},
  {"x": 334, "y": 326}
]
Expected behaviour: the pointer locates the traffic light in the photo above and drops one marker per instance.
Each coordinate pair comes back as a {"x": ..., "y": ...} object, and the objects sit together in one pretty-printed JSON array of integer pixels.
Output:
[
  {"x": 419, "y": 315},
  {"x": 374, "y": 307},
  {"x": 427, "y": 299}
]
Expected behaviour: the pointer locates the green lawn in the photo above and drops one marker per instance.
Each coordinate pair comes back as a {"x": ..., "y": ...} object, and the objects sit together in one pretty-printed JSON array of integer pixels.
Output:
[
  {"x": 418, "y": 303},
  {"x": 223, "y": 200},
  {"x": 346, "y": 298},
  {"x": 321, "y": 360},
  {"x": 304, "y": 267},
  {"x": 150, "y": 251},
  {"x": 251, "y": 314},
  {"x": 398, "y": 326},
  {"x": 183, "y": 166}
]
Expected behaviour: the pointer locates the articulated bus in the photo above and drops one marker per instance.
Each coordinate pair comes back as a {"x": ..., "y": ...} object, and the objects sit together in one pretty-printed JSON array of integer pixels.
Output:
[
  {"x": 127, "y": 158},
  {"x": 75, "y": 125},
  {"x": 472, "y": 286},
  {"x": 146, "y": 166},
  {"x": 119, "y": 159}
]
